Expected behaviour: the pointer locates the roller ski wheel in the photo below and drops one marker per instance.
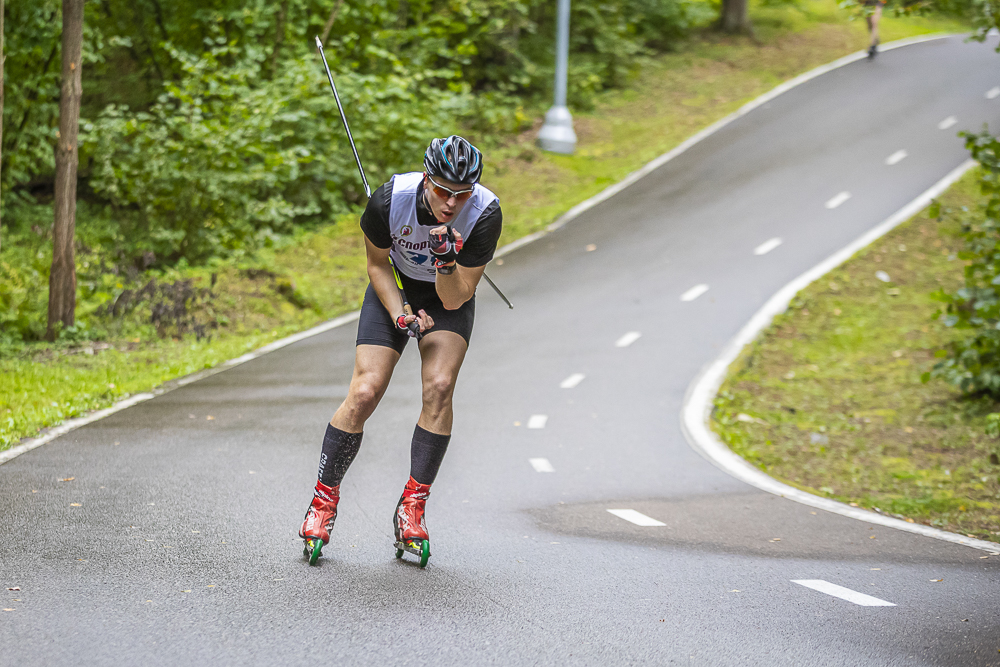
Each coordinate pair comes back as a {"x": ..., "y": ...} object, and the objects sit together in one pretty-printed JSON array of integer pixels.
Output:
[
  {"x": 419, "y": 548},
  {"x": 313, "y": 549}
]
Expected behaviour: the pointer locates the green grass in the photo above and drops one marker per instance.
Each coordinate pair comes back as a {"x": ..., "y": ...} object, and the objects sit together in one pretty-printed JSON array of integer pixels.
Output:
[
  {"x": 289, "y": 289},
  {"x": 319, "y": 275},
  {"x": 830, "y": 399}
]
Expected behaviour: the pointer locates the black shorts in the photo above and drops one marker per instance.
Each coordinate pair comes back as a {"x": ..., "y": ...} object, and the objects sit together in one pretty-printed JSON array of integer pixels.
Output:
[{"x": 376, "y": 326}]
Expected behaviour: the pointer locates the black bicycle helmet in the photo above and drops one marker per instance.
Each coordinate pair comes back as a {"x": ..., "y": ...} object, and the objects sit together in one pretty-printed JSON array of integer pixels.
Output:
[{"x": 454, "y": 159}]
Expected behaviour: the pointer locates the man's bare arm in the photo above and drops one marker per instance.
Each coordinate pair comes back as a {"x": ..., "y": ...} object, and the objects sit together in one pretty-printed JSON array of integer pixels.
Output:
[
  {"x": 382, "y": 280},
  {"x": 457, "y": 288}
]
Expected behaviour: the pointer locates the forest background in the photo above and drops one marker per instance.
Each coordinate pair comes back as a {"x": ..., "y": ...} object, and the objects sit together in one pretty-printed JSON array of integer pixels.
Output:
[
  {"x": 207, "y": 132},
  {"x": 209, "y": 143}
]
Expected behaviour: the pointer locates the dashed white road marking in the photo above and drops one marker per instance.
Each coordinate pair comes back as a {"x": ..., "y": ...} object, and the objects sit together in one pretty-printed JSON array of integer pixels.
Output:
[
  {"x": 537, "y": 421},
  {"x": 638, "y": 518},
  {"x": 993, "y": 93},
  {"x": 628, "y": 339},
  {"x": 572, "y": 381},
  {"x": 839, "y": 199},
  {"x": 896, "y": 157},
  {"x": 694, "y": 292},
  {"x": 842, "y": 593},
  {"x": 541, "y": 465},
  {"x": 767, "y": 246},
  {"x": 947, "y": 122}
]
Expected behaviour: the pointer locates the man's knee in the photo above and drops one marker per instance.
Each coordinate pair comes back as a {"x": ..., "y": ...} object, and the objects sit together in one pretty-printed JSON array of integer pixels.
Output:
[
  {"x": 365, "y": 394},
  {"x": 438, "y": 390}
]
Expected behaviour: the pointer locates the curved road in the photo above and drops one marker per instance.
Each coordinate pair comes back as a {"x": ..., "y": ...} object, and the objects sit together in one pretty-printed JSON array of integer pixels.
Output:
[{"x": 175, "y": 543}]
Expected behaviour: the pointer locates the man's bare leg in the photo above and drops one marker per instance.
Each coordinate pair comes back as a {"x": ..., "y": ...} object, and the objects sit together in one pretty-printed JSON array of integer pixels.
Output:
[
  {"x": 441, "y": 356},
  {"x": 873, "y": 21},
  {"x": 373, "y": 366}
]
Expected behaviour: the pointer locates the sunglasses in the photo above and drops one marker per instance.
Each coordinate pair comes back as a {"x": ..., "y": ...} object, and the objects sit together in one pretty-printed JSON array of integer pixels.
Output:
[{"x": 447, "y": 193}]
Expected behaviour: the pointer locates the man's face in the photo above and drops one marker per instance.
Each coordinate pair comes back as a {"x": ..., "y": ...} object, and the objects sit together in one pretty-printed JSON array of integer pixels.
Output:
[{"x": 443, "y": 205}]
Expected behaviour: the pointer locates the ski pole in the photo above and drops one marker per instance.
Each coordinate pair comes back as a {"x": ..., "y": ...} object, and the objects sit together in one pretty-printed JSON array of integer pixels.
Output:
[
  {"x": 361, "y": 169},
  {"x": 413, "y": 326},
  {"x": 340, "y": 107},
  {"x": 497, "y": 290}
]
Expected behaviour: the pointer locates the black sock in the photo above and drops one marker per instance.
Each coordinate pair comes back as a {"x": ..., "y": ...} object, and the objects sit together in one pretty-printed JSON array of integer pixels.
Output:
[
  {"x": 339, "y": 450},
  {"x": 426, "y": 453}
]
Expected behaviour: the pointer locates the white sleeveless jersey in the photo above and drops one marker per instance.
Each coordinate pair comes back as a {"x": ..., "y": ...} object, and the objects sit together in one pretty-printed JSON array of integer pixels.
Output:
[{"x": 411, "y": 240}]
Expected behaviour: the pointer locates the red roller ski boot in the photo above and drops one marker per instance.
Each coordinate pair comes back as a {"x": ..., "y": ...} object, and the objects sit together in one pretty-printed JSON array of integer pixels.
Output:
[
  {"x": 408, "y": 522},
  {"x": 319, "y": 520}
]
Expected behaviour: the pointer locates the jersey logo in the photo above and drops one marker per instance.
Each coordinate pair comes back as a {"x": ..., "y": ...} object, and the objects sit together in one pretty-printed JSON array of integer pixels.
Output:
[
  {"x": 416, "y": 257},
  {"x": 406, "y": 230}
]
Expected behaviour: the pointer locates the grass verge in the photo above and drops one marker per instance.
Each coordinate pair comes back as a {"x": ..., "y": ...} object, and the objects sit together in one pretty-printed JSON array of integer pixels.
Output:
[
  {"x": 228, "y": 309},
  {"x": 830, "y": 400}
]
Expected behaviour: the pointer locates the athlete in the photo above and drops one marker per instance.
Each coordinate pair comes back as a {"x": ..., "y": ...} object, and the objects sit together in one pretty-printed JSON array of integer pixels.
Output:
[
  {"x": 434, "y": 232},
  {"x": 873, "y": 12}
]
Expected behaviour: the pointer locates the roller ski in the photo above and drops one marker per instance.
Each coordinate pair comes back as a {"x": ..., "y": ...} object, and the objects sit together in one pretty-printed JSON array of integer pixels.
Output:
[
  {"x": 318, "y": 523},
  {"x": 408, "y": 522}
]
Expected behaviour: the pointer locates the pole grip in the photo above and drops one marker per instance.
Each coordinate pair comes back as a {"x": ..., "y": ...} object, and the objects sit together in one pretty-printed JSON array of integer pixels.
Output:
[{"x": 413, "y": 326}]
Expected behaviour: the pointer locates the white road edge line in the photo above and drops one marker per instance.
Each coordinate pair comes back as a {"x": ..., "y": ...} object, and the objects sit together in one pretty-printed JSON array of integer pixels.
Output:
[
  {"x": 947, "y": 122},
  {"x": 767, "y": 246},
  {"x": 694, "y": 292},
  {"x": 843, "y": 593},
  {"x": 993, "y": 93},
  {"x": 838, "y": 199},
  {"x": 638, "y": 518},
  {"x": 572, "y": 381},
  {"x": 569, "y": 215},
  {"x": 541, "y": 465},
  {"x": 537, "y": 421},
  {"x": 628, "y": 339},
  {"x": 701, "y": 393},
  {"x": 896, "y": 157}
]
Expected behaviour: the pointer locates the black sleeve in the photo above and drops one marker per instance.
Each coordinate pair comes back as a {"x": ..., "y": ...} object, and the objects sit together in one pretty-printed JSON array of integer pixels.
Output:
[
  {"x": 478, "y": 249},
  {"x": 375, "y": 219}
]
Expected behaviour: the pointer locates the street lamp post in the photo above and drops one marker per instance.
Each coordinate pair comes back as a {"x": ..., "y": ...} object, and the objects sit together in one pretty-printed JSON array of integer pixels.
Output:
[{"x": 557, "y": 133}]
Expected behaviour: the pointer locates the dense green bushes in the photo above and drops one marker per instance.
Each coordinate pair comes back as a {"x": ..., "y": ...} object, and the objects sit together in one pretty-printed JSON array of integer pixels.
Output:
[
  {"x": 972, "y": 362},
  {"x": 208, "y": 129},
  {"x": 189, "y": 105},
  {"x": 219, "y": 164}
]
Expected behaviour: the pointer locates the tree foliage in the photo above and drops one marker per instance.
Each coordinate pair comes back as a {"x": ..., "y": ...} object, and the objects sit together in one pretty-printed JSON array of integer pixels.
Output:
[
  {"x": 972, "y": 362},
  {"x": 208, "y": 126},
  {"x": 983, "y": 15}
]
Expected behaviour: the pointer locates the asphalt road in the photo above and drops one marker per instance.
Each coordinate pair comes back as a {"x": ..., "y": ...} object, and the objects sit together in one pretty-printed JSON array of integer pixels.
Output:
[{"x": 175, "y": 543}]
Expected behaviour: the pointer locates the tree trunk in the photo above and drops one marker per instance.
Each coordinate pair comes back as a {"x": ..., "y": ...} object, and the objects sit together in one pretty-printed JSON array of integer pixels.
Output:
[
  {"x": 279, "y": 37},
  {"x": 329, "y": 22},
  {"x": 733, "y": 16},
  {"x": 62, "y": 279},
  {"x": 3, "y": 57}
]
